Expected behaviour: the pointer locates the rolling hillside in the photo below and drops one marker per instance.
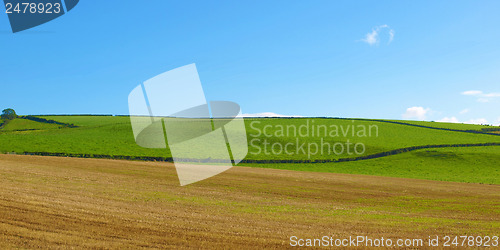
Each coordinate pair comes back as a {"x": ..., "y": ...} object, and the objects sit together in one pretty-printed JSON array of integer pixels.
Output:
[
  {"x": 26, "y": 125},
  {"x": 425, "y": 150},
  {"x": 467, "y": 164},
  {"x": 48, "y": 202}
]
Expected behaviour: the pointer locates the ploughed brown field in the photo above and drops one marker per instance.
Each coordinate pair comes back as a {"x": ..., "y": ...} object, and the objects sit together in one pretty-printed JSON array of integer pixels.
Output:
[{"x": 68, "y": 202}]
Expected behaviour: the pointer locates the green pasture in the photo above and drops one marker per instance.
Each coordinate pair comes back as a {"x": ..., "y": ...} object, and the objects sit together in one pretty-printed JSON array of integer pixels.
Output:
[
  {"x": 389, "y": 137},
  {"x": 112, "y": 136},
  {"x": 24, "y": 125},
  {"x": 304, "y": 138},
  {"x": 471, "y": 164}
]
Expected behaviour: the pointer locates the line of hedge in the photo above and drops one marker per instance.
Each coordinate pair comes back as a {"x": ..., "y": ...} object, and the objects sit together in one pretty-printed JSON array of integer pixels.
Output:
[
  {"x": 75, "y": 115},
  {"x": 409, "y": 149},
  {"x": 491, "y": 129},
  {"x": 99, "y": 156},
  {"x": 373, "y": 156},
  {"x": 38, "y": 119},
  {"x": 170, "y": 159}
]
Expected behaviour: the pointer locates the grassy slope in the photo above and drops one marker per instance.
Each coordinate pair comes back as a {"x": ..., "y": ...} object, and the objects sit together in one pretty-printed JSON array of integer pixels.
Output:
[
  {"x": 473, "y": 165},
  {"x": 24, "y": 124},
  {"x": 391, "y": 136},
  {"x": 113, "y": 136},
  {"x": 97, "y": 135},
  {"x": 53, "y": 202},
  {"x": 90, "y": 120}
]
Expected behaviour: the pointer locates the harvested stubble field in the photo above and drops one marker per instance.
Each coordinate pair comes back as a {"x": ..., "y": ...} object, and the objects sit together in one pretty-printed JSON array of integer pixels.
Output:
[{"x": 67, "y": 202}]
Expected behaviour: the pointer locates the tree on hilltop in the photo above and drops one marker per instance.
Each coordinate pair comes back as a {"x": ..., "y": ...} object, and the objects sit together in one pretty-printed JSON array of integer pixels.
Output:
[{"x": 8, "y": 114}]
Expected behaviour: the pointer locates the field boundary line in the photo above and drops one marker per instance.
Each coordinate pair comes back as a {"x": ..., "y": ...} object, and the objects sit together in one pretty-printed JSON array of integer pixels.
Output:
[{"x": 347, "y": 159}]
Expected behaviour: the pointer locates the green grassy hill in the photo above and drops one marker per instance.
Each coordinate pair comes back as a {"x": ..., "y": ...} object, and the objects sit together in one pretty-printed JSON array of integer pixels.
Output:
[
  {"x": 111, "y": 137},
  {"x": 390, "y": 136},
  {"x": 26, "y": 125},
  {"x": 471, "y": 164}
]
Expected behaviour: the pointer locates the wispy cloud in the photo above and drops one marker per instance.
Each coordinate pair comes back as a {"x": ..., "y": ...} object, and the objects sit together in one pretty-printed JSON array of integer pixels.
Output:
[
  {"x": 419, "y": 113},
  {"x": 472, "y": 92},
  {"x": 453, "y": 119},
  {"x": 449, "y": 120},
  {"x": 373, "y": 37},
  {"x": 465, "y": 111},
  {"x": 481, "y": 96},
  {"x": 492, "y": 95},
  {"x": 477, "y": 121}
]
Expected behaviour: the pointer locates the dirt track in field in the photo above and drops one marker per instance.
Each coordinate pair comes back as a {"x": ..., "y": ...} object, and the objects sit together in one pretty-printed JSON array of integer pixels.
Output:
[{"x": 69, "y": 202}]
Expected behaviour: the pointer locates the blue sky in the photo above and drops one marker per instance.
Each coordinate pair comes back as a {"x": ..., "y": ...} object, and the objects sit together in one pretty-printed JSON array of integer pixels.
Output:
[{"x": 308, "y": 58}]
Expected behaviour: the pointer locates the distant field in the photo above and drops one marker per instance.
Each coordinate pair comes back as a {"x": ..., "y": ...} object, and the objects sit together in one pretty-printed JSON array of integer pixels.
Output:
[
  {"x": 390, "y": 136},
  {"x": 96, "y": 135},
  {"x": 50, "y": 202},
  {"x": 473, "y": 165},
  {"x": 109, "y": 135},
  {"x": 112, "y": 136}
]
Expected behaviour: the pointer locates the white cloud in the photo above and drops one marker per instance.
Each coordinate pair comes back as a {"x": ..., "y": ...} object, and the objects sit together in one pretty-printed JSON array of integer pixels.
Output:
[
  {"x": 449, "y": 120},
  {"x": 477, "y": 121},
  {"x": 268, "y": 114},
  {"x": 472, "y": 92},
  {"x": 482, "y": 97},
  {"x": 492, "y": 95},
  {"x": 465, "y": 111},
  {"x": 498, "y": 122},
  {"x": 472, "y": 121},
  {"x": 416, "y": 112},
  {"x": 372, "y": 38}
]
